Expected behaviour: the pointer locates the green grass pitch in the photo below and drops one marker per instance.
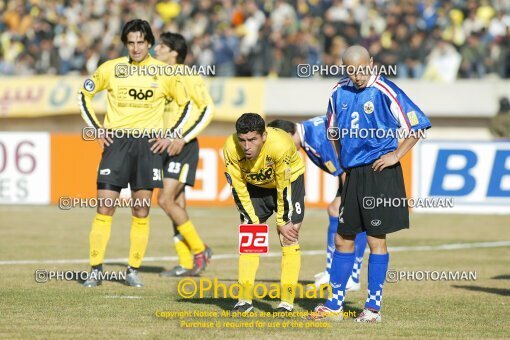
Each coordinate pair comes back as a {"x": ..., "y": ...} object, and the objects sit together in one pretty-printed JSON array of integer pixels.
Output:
[{"x": 63, "y": 309}]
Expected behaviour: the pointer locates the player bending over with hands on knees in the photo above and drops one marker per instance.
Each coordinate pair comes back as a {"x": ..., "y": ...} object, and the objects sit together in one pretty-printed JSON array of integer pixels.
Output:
[{"x": 265, "y": 173}]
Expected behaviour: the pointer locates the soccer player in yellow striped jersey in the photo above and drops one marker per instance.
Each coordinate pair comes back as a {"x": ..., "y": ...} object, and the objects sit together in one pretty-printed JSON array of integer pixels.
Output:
[
  {"x": 180, "y": 162},
  {"x": 265, "y": 173},
  {"x": 135, "y": 101}
]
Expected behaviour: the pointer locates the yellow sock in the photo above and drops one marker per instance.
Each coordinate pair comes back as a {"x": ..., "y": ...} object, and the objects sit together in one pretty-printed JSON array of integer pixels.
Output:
[
  {"x": 98, "y": 238},
  {"x": 138, "y": 237},
  {"x": 291, "y": 264},
  {"x": 183, "y": 252},
  {"x": 248, "y": 265},
  {"x": 187, "y": 230}
]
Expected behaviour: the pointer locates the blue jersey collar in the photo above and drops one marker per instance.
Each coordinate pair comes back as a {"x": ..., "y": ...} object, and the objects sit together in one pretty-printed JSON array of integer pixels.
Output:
[{"x": 371, "y": 81}]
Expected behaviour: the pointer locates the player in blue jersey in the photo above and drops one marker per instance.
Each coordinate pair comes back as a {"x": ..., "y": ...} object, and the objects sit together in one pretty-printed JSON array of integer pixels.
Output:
[
  {"x": 361, "y": 106},
  {"x": 311, "y": 136}
]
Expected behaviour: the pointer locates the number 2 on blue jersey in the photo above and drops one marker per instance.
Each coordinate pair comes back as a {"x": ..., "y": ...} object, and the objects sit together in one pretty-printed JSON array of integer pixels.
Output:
[{"x": 355, "y": 120}]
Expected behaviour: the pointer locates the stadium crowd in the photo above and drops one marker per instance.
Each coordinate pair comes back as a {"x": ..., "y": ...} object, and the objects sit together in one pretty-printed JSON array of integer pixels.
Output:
[{"x": 423, "y": 38}]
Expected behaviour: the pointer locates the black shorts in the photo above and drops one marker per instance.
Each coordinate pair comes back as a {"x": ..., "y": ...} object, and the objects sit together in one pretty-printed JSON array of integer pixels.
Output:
[
  {"x": 130, "y": 160},
  {"x": 264, "y": 201},
  {"x": 360, "y": 210},
  {"x": 182, "y": 167}
]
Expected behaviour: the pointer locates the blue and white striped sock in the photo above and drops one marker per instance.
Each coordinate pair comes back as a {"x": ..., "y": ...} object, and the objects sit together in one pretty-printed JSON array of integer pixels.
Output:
[
  {"x": 377, "y": 268},
  {"x": 340, "y": 272},
  {"x": 360, "y": 243}
]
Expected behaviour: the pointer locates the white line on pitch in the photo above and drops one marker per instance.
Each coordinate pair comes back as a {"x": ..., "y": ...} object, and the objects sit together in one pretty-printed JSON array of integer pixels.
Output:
[{"x": 449, "y": 246}]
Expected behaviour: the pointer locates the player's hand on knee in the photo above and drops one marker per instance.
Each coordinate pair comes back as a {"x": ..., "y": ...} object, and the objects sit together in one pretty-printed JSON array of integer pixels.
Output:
[
  {"x": 288, "y": 234},
  {"x": 284, "y": 242}
]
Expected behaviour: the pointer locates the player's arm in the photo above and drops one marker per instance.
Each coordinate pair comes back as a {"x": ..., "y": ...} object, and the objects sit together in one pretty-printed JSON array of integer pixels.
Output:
[
  {"x": 91, "y": 86},
  {"x": 411, "y": 118},
  {"x": 283, "y": 175},
  {"x": 177, "y": 89},
  {"x": 394, "y": 157},
  {"x": 285, "y": 206},
  {"x": 332, "y": 125},
  {"x": 180, "y": 91},
  {"x": 408, "y": 115},
  {"x": 238, "y": 185},
  {"x": 204, "y": 104}
]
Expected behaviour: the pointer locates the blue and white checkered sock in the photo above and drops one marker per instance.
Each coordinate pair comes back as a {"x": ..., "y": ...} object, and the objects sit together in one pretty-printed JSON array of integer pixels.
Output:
[
  {"x": 377, "y": 268},
  {"x": 329, "y": 259},
  {"x": 360, "y": 244},
  {"x": 341, "y": 269},
  {"x": 332, "y": 228}
]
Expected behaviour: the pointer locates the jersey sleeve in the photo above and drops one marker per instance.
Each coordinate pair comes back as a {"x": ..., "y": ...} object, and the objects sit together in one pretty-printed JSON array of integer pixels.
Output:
[
  {"x": 331, "y": 114},
  {"x": 205, "y": 106},
  {"x": 283, "y": 185},
  {"x": 332, "y": 123},
  {"x": 317, "y": 146},
  {"x": 178, "y": 89},
  {"x": 238, "y": 185},
  {"x": 408, "y": 114},
  {"x": 91, "y": 86}
]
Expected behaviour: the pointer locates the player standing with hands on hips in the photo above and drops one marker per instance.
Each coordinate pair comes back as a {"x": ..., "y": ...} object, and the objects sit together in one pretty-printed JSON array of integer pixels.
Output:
[
  {"x": 136, "y": 102},
  {"x": 368, "y": 101}
]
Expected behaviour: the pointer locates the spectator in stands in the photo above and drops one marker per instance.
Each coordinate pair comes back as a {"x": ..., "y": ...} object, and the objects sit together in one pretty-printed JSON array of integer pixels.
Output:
[
  {"x": 505, "y": 54},
  {"x": 47, "y": 61},
  {"x": 413, "y": 64},
  {"x": 473, "y": 58},
  {"x": 259, "y": 37},
  {"x": 225, "y": 48},
  {"x": 5, "y": 67},
  {"x": 499, "y": 24},
  {"x": 442, "y": 63}
]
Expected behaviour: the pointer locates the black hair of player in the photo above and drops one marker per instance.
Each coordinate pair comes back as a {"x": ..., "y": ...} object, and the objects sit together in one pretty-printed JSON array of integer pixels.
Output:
[
  {"x": 177, "y": 43},
  {"x": 284, "y": 125},
  {"x": 249, "y": 122},
  {"x": 137, "y": 25}
]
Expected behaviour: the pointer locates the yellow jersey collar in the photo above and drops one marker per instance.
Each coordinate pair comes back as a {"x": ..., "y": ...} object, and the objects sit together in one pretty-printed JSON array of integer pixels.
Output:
[{"x": 143, "y": 62}]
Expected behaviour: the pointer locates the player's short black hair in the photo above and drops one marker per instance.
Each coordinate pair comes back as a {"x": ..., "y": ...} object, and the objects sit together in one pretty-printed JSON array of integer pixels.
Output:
[
  {"x": 249, "y": 122},
  {"x": 177, "y": 43},
  {"x": 285, "y": 125},
  {"x": 137, "y": 25}
]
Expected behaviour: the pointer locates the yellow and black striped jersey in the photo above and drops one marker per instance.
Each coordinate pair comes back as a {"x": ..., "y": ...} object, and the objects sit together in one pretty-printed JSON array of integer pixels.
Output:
[
  {"x": 277, "y": 166},
  {"x": 135, "y": 100},
  {"x": 194, "y": 121}
]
